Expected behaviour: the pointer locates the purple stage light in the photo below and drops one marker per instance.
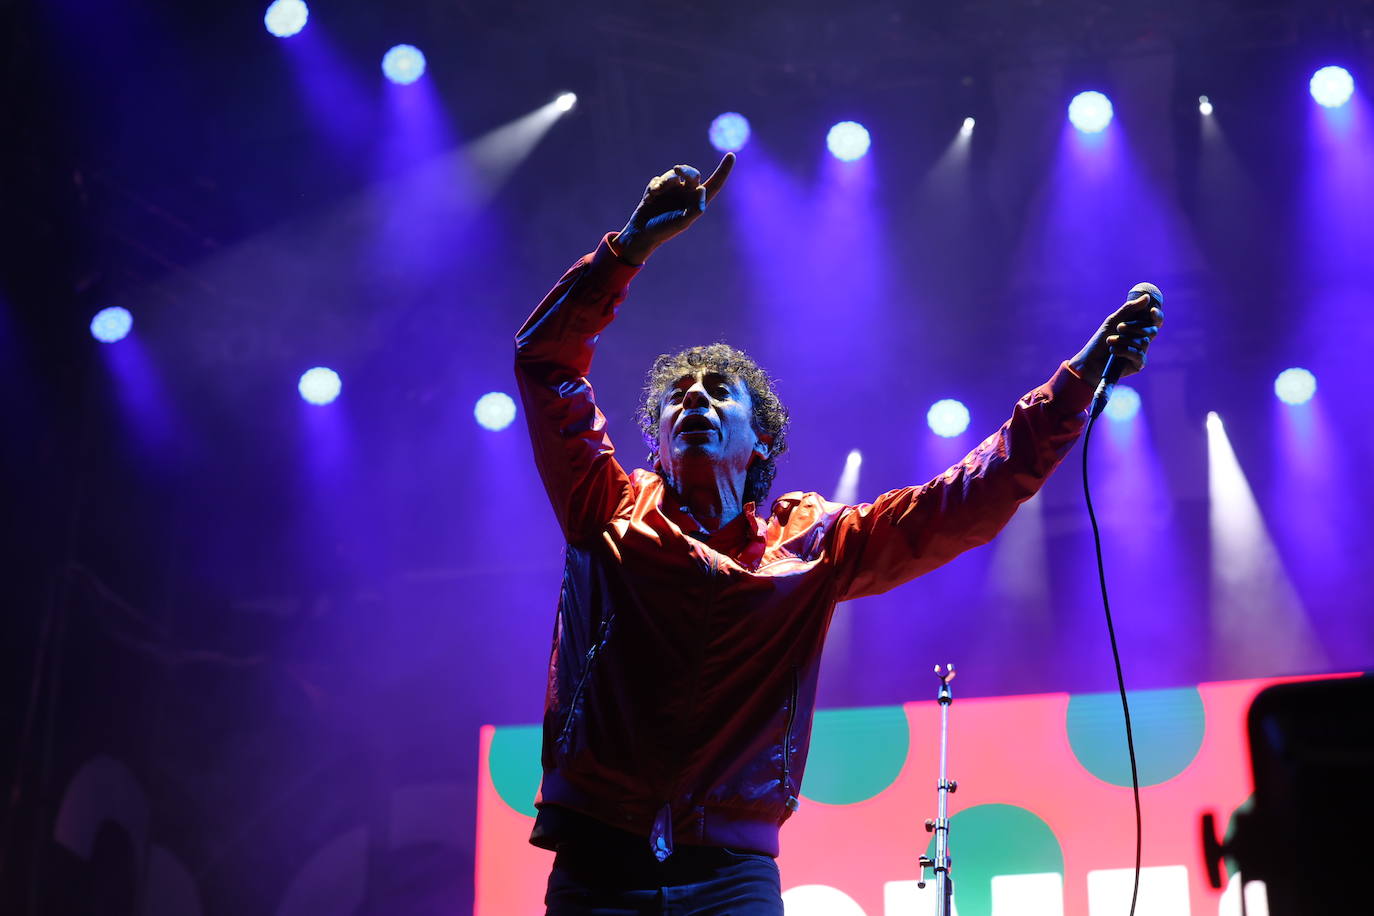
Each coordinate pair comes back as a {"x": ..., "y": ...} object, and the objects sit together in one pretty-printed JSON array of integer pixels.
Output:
[
  {"x": 847, "y": 490},
  {"x": 947, "y": 418},
  {"x": 729, "y": 132},
  {"x": 404, "y": 64},
  {"x": 847, "y": 141},
  {"x": 285, "y": 18},
  {"x": 1090, "y": 112},
  {"x": 494, "y": 411},
  {"x": 320, "y": 385},
  {"x": 1204, "y": 105},
  {"x": 1124, "y": 405},
  {"x": 565, "y": 101},
  {"x": 1332, "y": 87},
  {"x": 111, "y": 324},
  {"x": 1295, "y": 386}
]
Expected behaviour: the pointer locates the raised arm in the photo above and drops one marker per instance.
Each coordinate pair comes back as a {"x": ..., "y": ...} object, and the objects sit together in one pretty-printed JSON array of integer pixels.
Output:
[
  {"x": 553, "y": 353},
  {"x": 910, "y": 531}
]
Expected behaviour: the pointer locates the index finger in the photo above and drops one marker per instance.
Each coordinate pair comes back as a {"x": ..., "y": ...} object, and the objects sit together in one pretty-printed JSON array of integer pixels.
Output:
[
  {"x": 717, "y": 179},
  {"x": 1150, "y": 320}
]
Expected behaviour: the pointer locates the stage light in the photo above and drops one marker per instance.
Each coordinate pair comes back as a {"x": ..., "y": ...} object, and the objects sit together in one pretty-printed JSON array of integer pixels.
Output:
[
  {"x": 967, "y": 129},
  {"x": 1332, "y": 87},
  {"x": 947, "y": 418},
  {"x": 1204, "y": 105},
  {"x": 111, "y": 324},
  {"x": 1251, "y": 592},
  {"x": 847, "y": 488},
  {"x": 319, "y": 385},
  {"x": 285, "y": 18},
  {"x": 729, "y": 132},
  {"x": 565, "y": 101},
  {"x": 847, "y": 141},
  {"x": 404, "y": 64},
  {"x": 1090, "y": 112},
  {"x": 1295, "y": 386},
  {"x": 494, "y": 411},
  {"x": 1124, "y": 405}
]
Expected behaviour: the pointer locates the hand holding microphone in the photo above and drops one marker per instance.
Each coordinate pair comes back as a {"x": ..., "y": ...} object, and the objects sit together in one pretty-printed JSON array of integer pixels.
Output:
[{"x": 1119, "y": 346}]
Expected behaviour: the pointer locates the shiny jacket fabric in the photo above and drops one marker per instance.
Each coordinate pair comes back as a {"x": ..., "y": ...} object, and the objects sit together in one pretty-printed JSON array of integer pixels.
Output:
[{"x": 683, "y": 674}]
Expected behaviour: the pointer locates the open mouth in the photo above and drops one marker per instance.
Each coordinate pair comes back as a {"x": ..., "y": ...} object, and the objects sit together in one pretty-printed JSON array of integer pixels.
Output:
[{"x": 695, "y": 424}]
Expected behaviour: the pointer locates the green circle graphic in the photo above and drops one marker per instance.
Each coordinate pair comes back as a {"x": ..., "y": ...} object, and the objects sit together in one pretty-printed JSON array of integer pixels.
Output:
[
  {"x": 514, "y": 764},
  {"x": 990, "y": 840},
  {"x": 855, "y": 753},
  {"x": 1168, "y": 727}
]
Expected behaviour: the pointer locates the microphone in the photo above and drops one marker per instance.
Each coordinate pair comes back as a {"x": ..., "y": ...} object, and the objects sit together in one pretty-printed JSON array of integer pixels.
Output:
[{"x": 1111, "y": 373}]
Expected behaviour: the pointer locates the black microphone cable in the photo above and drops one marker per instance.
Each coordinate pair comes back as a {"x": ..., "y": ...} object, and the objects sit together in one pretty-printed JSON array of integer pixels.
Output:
[{"x": 1116, "y": 659}]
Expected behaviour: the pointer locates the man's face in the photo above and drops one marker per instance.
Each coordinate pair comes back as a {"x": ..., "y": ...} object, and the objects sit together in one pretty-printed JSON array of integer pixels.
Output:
[{"x": 707, "y": 416}]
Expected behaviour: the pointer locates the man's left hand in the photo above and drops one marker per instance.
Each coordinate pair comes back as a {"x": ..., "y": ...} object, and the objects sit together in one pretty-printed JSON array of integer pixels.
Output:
[{"x": 1127, "y": 333}]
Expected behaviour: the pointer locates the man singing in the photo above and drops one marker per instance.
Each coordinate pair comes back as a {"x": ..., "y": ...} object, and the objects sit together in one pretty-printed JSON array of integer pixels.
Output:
[{"x": 691, "y": 616}]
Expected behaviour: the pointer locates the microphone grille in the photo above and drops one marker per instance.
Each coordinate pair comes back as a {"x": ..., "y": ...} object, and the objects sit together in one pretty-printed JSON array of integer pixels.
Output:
[{"x": 1148, "y": 288}]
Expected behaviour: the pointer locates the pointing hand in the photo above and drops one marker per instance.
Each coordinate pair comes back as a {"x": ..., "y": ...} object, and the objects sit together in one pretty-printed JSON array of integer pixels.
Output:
[{"x": 671, "y": 202}]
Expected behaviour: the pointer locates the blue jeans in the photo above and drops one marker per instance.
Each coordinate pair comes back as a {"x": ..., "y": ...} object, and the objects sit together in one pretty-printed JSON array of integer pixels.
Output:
[{"x": 694, "y": 881}]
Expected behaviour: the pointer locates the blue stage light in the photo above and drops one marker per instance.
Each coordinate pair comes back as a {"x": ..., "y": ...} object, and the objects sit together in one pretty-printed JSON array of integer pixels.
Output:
[
  {"x": 729, "y": 132},
  {"x": 1090, "y": 112},
  {"x": 285, "y": 18},
  {"x": 320, "y": 385},
  {"x": 847, "y": 141},
  {"x": 1124, "y": 405},
  {"x": 404, "y": 64},
  {"x": 1295, "y": 386},
  {"x": 1332, "y": 87},
  {"x": 111, "y": 324},
  {"x": 947, "y": 418},
  {"x": 565, "y": 101},
  {"x": 495, "y": 410}
]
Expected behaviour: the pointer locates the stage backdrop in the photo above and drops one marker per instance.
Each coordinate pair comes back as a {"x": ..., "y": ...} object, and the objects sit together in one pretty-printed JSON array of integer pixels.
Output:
[{"x": 1041, "y": 823}]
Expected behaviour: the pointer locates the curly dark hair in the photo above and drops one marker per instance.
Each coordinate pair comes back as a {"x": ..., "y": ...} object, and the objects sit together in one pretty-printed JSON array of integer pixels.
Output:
[{"x": 770, "y": 416}]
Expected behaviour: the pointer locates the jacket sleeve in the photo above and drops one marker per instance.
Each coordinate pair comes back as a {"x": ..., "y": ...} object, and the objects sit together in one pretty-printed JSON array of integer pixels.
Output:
[
  {"x": 553, "y": 354},
  {"x": 910, "y": 531}
]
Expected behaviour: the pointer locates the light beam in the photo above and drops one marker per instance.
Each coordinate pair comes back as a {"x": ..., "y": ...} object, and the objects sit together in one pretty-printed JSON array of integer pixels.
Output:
[
  {"x": 1259, "y": 626},
  {"x": 847, "y": 489}
]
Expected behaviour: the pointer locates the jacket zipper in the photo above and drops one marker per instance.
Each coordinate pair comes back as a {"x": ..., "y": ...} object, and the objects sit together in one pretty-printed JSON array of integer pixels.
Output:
[
  {"x": 787, "y": 743},
  {"x": 661, "y": 834},
  {"x": 603, "y": 635}
]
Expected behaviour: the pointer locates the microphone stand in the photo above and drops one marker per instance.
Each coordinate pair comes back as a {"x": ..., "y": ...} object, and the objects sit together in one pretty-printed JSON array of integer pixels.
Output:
[{"x": 941, "y": 862}]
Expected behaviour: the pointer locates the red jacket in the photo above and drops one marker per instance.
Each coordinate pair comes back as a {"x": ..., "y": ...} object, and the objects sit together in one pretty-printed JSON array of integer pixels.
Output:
[{"x": 683, "y": 675}]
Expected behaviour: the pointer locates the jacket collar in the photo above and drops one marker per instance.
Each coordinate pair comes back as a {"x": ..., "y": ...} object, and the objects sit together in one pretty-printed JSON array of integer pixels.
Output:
[{"x": 742, "y": 538}]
